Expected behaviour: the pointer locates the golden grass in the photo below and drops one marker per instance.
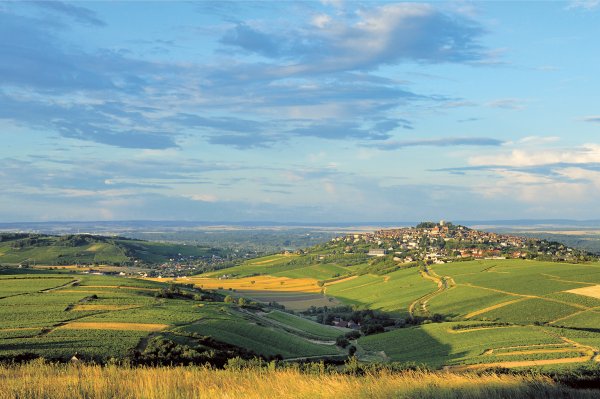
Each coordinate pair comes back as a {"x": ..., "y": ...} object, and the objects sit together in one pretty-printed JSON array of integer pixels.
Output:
[
  {"x": 102, "y": 307},
  {"x": 256, "y": 283},
  {"x": 80, "y": 325},
  {"x": 43, "y": 380},
  {"x": 593, "y": 291}
]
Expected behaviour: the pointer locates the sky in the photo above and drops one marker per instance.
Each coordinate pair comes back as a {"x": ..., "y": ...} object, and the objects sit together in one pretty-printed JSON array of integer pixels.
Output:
[{"x": 330, "y": 111}]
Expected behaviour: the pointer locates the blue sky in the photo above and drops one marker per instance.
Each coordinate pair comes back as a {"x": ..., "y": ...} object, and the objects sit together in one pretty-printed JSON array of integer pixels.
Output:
[{"x": 299, "y": 111}]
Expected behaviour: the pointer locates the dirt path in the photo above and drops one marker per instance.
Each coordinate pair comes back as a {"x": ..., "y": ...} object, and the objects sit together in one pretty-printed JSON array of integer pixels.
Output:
[
  {"x": 490, "y": 308},
  {"x": 342, "y": 280},
  {"x": 467, "y": 330},
  {"x": 443, "y": 284},
  {"x": 69, "y": 284},
  {"x": 558, "y": 278}
]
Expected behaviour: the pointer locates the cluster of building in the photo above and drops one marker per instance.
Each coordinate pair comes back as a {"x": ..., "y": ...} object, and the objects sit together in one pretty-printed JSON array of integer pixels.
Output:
[{"x": 442, "y": 242}]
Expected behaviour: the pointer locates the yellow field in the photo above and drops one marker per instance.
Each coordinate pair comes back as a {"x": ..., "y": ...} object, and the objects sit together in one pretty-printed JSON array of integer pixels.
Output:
[
  {"x": 102, "y": 307},
  {"x": 276, "y": 259},
  {"x": 593, "y": 291},
  {"x": 114, "y": 326},
  {"x": 256, "y": 283},
  {"x": 44, "y": 380}
]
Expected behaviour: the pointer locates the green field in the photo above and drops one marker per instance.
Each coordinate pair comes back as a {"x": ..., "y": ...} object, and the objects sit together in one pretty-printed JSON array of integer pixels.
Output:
[
  {"x": 500, "y": 313},
  {"x": 34, "y": 249},
  {"x": 312, "y": 329},
  {"x": 54, "y": 314},
  {"x": 393, "y": 293}
]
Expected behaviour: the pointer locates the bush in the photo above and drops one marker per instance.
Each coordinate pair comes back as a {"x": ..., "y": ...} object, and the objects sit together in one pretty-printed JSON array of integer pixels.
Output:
[{"x": 342, "y": 341}]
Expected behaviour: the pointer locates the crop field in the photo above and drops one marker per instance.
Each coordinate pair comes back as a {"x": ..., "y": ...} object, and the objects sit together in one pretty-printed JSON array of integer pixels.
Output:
[
  {"x": 22, "y": 285},
  {"x": 248, "y": 332},
  {"x": 394, "y": 292},
  {"x": 264, "y": 265},
  {"x": 54, "y": 314},
  {"x": 497, "y": 313},
  {"x": 462, "y": 301},
  {"x": 438, "y": 344},
  {"x": 297, "y": 301},
  {"x": 317, "y": 330},
  {"x": 318, "y": 272},
  {"x": 593, "y": 291},
  {"x": 256, "y": 283}
]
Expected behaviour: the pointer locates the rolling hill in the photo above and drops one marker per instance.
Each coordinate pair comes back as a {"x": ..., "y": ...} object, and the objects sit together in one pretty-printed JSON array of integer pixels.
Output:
[
  {"x": 17, "y": 248},
  {"x": 325, "y": 302}
]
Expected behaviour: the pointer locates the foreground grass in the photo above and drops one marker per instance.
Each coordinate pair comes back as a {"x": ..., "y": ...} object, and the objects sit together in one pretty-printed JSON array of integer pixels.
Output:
[{"x": 43, "y": 380}]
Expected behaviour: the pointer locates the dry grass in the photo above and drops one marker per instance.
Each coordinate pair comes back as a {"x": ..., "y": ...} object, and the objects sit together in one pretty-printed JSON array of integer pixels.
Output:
[
  {"x": 42, "y": 380},
  {"x": 593, "y": 291},
  {"x": 114, "y": 326},
  {"x": 256, "y": 283}
]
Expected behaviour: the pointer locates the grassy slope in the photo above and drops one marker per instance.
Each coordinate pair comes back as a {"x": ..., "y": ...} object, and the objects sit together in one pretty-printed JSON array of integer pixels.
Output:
[
  {"x": 32, "y": 320},
  {"x": 53, "y": 250}
]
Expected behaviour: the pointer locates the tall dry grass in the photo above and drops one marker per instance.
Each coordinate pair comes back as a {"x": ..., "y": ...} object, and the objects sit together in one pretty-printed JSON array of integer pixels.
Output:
[{"x": 43, "y": 380}]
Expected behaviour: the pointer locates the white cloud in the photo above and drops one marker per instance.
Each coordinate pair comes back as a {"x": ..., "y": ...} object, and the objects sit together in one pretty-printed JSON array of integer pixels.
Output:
[
  {"x": 583, "y": 4},
  {"x": 203, "y": 197},
  {"x": 321, "y": 20},
  {"x": 587, "y": 153}
]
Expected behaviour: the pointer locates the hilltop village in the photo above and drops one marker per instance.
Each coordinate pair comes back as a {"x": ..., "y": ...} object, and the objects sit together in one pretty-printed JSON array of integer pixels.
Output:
[{"x": 444, "y": 242}]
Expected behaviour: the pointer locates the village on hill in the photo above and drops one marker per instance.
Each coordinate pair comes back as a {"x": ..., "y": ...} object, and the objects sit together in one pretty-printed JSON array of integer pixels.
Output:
[{"x": 443, "y": 242}]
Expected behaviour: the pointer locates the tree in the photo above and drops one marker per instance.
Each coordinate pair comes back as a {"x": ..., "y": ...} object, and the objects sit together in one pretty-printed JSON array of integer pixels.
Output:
[
  {"x": 351, "y": 350},
  {"x": 342, "y": 341}
]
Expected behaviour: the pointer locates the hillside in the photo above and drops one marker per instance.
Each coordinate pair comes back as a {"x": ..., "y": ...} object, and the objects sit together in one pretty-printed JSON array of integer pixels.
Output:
[
  {"x": 454, "y": 297},
  {"x": 85, "y": 249},
  {"x": 351, "y": 295}
]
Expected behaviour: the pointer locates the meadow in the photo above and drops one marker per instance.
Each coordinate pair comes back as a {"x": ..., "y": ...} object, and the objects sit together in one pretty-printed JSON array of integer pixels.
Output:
[{"x": 43, "y": 380}]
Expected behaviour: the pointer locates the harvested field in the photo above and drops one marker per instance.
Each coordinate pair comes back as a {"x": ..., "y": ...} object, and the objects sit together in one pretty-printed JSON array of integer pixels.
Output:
[
  {"x": 256, "y": 283},
  {"x": 593, "y": 291},
  {"x": 114, "y": 326}
]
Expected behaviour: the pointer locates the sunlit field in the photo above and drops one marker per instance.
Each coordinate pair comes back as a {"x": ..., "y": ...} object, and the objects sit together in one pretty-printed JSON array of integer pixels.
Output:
[{"x": 42, "y": 380}]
